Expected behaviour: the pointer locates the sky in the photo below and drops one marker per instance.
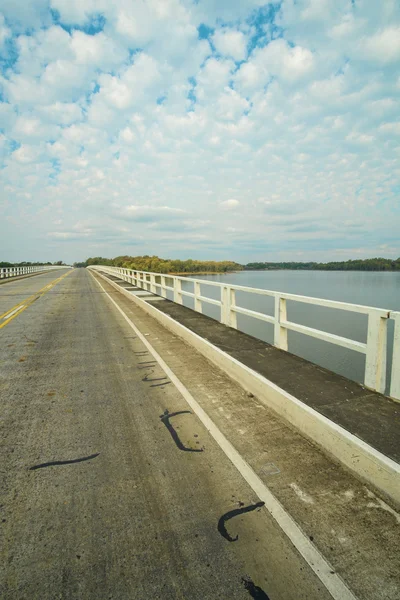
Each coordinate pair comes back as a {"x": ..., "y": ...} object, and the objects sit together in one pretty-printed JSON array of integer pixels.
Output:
[{"x": 244, "y": 130}]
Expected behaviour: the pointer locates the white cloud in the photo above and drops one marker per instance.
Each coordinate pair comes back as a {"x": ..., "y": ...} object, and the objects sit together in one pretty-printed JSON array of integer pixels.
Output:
[
  {"x": 383, "y": 47},
  {"x": 231, "y": 203},
  {"x": 68, "y": 235},
  {"x": 390, "y": 128},
  {"x": 289, "y": 63},
  {"x": 231, "y": 43},
  {"x": 97, "y": 50},
  {"x": 127, "y": 135},
  {"x": 26, "y": 14},
  {"x": 131, "y": 85},
  {"x": 78, "y": 11},
  {"x": 25, "y": 154},
  {"x": 63, "y": 113},
  {"x": 251, "y": 76},
  {"x": 231, "y": 105},
  {"x": 213, "y": 77},
  {"x": 150, "y": 213}
]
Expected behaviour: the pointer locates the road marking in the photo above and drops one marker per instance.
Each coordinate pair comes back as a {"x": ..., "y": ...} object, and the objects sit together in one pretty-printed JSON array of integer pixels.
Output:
[
  {"x": 16, "y": 310},
  {"x": 316, "y": 561}
]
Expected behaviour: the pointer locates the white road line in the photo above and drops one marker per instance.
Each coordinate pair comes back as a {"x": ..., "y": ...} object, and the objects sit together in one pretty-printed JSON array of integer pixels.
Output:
[
  {"x": 13, "y": 312},
  {"x": 318, "y": 564}
]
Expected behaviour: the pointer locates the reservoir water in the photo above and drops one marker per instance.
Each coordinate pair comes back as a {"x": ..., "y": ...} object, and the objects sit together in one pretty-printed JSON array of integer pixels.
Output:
[{"x": 378, "y": 289}]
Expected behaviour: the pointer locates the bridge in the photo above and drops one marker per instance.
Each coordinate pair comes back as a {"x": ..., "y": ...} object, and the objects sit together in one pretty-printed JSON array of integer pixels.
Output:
[{"x": 152, "y": 452}]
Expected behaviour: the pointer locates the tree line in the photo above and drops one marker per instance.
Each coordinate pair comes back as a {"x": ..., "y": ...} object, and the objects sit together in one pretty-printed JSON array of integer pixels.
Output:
[
  {"x": 155, "y": 264},
  {"x": 368, "y": 264},
  {"x": 7, "y": 265}
]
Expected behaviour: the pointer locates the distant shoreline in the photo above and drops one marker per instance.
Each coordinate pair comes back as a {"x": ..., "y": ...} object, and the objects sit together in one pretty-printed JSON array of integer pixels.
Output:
[
  {"x": 201, "y": 273},
  {"x": 325, "y": 270}
]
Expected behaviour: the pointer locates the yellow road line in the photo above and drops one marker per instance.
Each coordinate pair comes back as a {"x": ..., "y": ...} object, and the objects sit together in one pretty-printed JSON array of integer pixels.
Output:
[
  {"x": 19, "y": 308},
  {"x": 35, "y": 295}
]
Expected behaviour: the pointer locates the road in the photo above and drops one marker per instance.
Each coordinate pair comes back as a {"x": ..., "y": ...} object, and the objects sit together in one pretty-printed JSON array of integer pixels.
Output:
[{"x": 111, "y": 487}]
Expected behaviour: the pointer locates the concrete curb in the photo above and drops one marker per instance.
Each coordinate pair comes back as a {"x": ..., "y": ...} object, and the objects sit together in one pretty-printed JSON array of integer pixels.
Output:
[{"x": 362, "y": 459}]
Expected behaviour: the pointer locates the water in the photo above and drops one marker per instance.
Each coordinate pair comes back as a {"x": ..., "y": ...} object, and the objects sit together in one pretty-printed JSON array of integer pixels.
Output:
[{"x": 357, "y": 287}]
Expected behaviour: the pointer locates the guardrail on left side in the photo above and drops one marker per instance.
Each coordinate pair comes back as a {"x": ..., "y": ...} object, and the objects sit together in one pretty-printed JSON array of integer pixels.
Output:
[{"x": 6, "y": 272}]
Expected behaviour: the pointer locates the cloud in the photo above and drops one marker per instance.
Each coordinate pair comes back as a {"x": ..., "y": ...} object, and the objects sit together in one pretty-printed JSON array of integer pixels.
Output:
[
  {"x": 286, "y": 62},
  {"x": 231, "y": 43},
  {"x": 147, "y": 213},
  {"x": 390, "y": 128},
  {"x": 231, "y": 203},
  {"x": 66, "y": 235},
  {"x": 383, "y": 47},
  {"x": 124, "y": 126}
]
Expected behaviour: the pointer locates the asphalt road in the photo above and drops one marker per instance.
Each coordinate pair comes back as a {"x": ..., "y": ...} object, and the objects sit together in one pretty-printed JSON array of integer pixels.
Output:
[{"x": 111, "y": 488}]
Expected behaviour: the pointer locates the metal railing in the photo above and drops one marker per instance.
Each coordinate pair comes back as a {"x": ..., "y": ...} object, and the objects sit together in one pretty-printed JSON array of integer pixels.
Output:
[
  {"x": 375, "y": 348},
  {"x": 6, "y": 272}
]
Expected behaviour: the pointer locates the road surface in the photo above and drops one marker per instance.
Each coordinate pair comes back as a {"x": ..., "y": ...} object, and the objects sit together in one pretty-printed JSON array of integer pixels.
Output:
[{"x": 111, "y": 487}]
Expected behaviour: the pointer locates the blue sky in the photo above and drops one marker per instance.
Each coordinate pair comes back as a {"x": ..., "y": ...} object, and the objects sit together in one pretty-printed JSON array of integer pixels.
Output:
[{"x": 244, "y": 130}]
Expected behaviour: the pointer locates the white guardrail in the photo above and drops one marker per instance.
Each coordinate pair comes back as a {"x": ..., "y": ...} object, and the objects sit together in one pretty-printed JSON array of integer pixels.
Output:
[
  {"x": 375, "y": 349},
  {"x": 6, "y": 272}
]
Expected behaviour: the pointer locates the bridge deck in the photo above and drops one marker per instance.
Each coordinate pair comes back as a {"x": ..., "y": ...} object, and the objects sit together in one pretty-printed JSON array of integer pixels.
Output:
[{"x": 113, "y": 485}]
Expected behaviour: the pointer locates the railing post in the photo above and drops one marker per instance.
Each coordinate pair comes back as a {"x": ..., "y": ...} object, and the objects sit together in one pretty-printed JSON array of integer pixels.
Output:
[
  {"x": 177, "y": 291},
  {"x": 395, "y": 377},
  {"x": 280, "y": 332},
  {"x": 232, "y": 316},
  {"x": 375, "y": 363},
  {"x": 163, "y": 284},
  {"x": 153, "y": 288},
  {"x": 197, "y": 293},
  {"x": 224, "y": 305}
]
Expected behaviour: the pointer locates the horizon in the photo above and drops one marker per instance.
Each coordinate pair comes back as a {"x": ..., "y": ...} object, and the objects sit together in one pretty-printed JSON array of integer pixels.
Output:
[
  {"x": 80, "y": 262},
  {"x": 256, "y": 132}
]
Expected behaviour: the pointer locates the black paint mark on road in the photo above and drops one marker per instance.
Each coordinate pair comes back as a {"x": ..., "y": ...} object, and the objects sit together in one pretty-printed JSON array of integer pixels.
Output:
[
  {"x": 149, "y": 362},
  {"x": 254, "y": 591},
  {"x": 160, "y": 384},
  {"x": 165, "y": 418},
  {"x": 57, "y": 463},
  {"x": 234, "y": 513},
  {"x": 146, "y": 378}
]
